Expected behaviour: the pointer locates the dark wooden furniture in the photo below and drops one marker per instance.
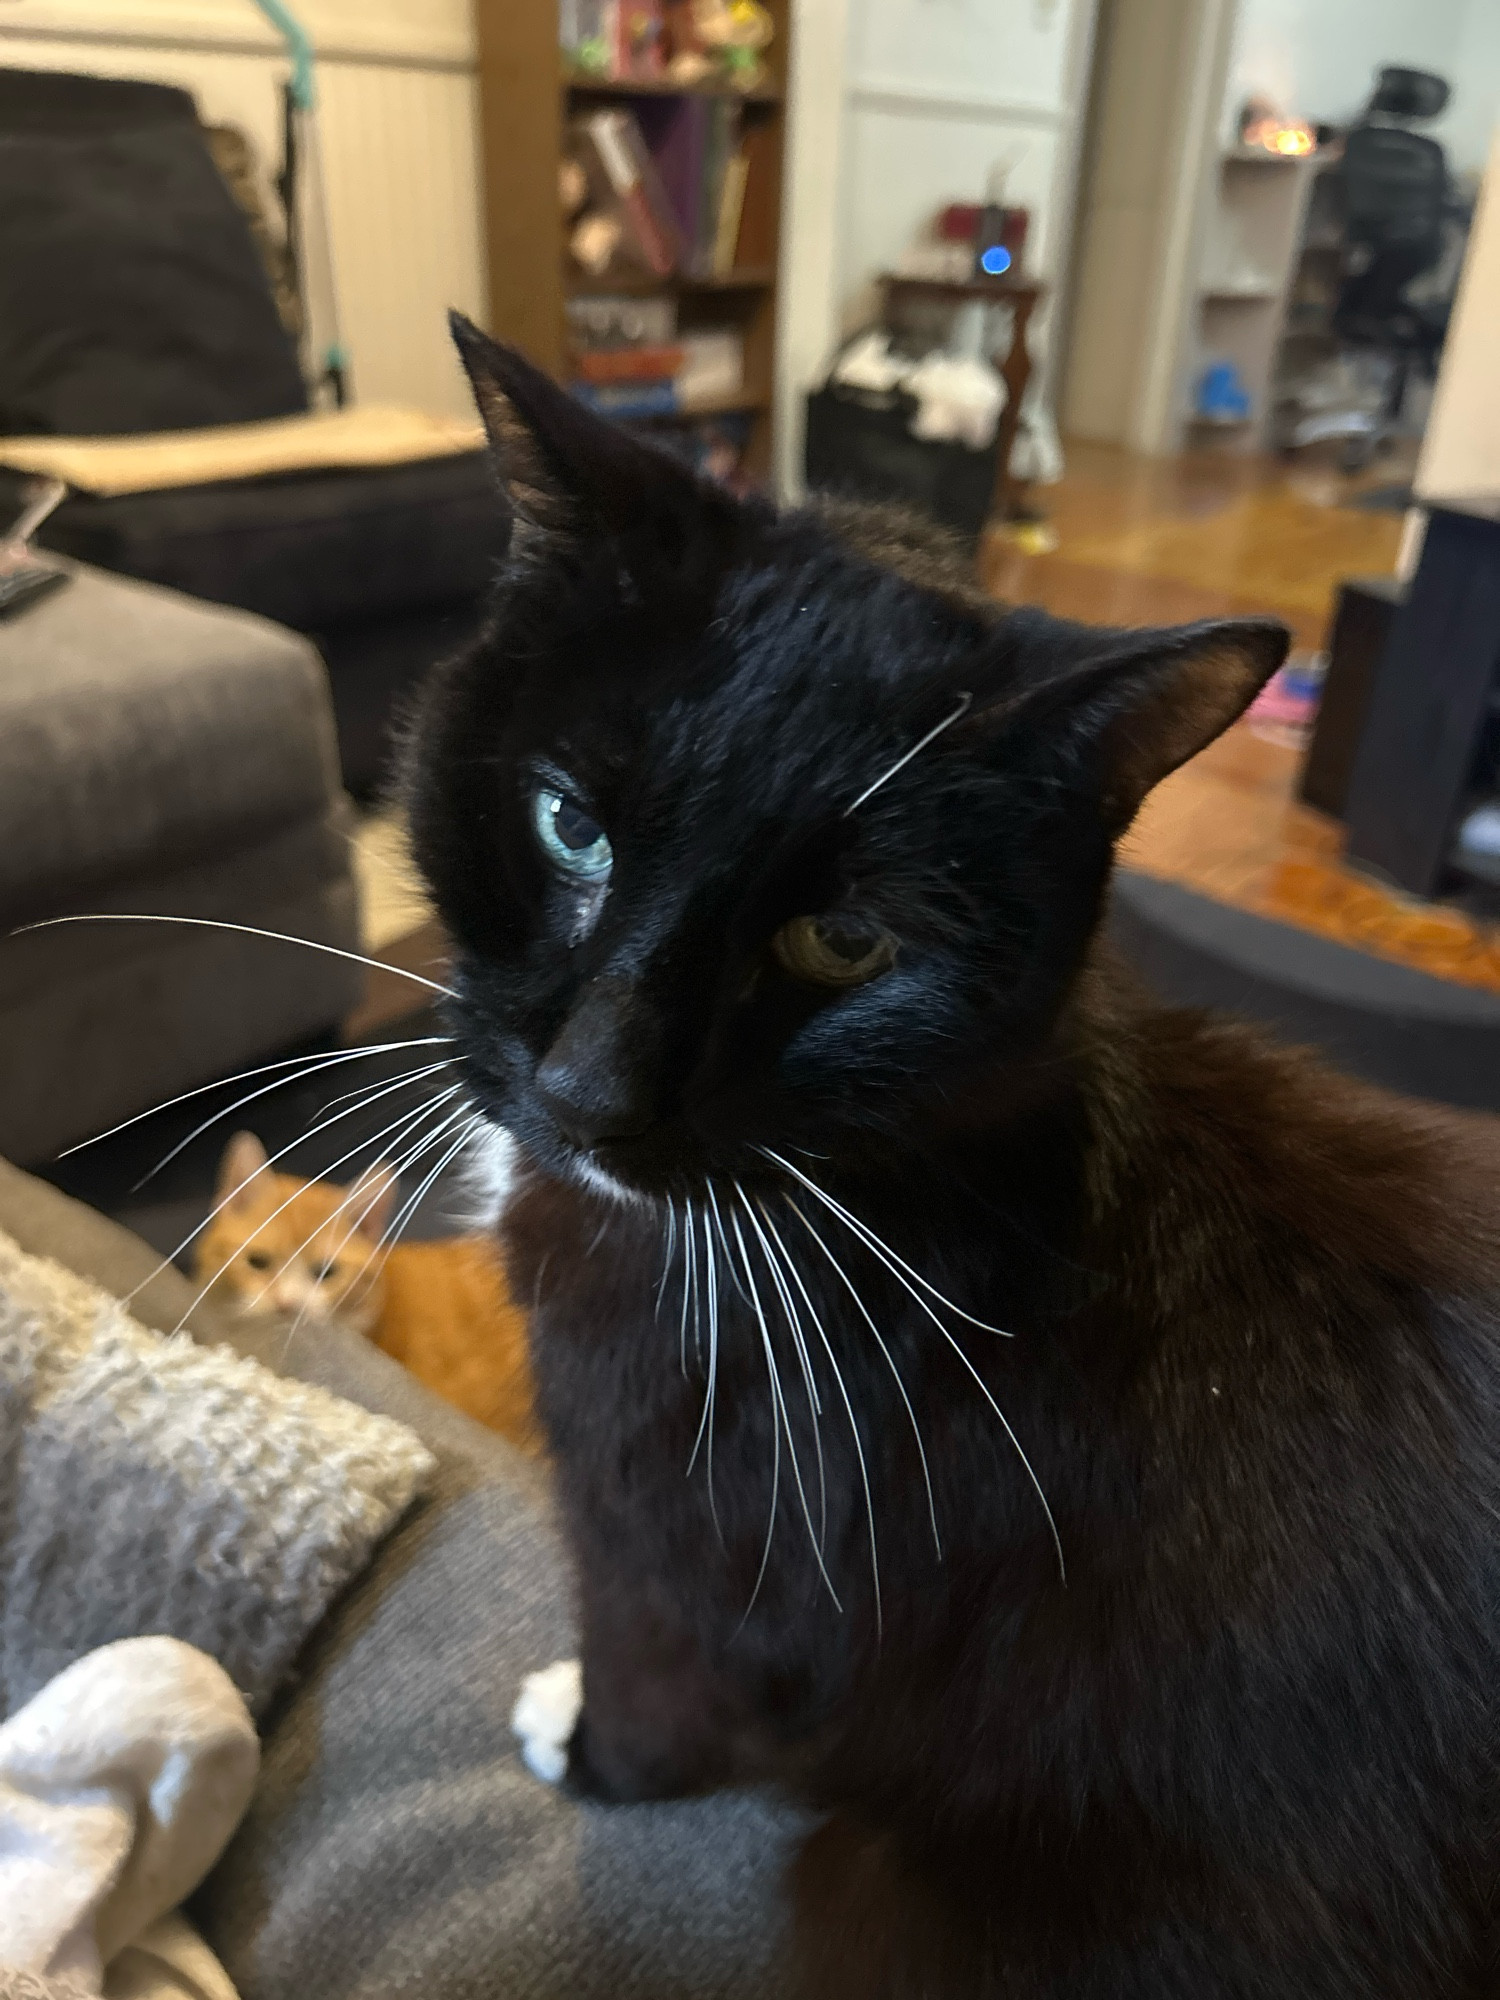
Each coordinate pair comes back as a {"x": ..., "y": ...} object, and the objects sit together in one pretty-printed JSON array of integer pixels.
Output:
[
  {"x": 1363, "y": 616},
  {"x": 1419, "y": 753},
  {"x": 526, "y": 100},
  {"x": 1021, "y": 296}
]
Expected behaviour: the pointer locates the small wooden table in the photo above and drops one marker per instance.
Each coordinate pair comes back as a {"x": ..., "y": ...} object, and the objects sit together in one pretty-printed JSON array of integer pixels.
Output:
[{"x": 1014, "y": 366}]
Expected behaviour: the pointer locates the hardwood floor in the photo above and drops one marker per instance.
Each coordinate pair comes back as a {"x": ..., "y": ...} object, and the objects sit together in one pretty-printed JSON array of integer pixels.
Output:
[{"x": 1159, "y": 541}]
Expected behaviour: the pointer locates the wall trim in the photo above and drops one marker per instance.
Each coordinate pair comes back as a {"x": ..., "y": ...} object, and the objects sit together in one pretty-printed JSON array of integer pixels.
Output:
[
  {"x": 924, "y": 101},
  {"x": 197, "y": 30}
]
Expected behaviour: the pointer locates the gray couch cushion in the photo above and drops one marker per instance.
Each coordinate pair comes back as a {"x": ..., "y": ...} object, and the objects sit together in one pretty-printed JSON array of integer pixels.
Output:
[
  {"x": 395, "y": 1843},
  {"x": 101, "y": 1033},
  {"x": 140, "y": 730}
]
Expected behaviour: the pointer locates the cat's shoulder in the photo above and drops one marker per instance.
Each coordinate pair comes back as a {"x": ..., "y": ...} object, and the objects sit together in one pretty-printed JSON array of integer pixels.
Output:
[{"x": 1276, "y": 1144}]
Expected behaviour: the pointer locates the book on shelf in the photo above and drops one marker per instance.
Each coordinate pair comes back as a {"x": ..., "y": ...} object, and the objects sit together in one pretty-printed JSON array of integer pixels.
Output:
[
  {"x": 615, "y": 40},
  {"x": 622, "y": 174},
  {"x": 650, "y": 361},
  {"x": 731, "y": 213},
  {"x": 720, "y": 148},
  {"x": 701, "y": 369},
  {"x": 713, "y": 366},
  {"x": 620, "y": 320},
  {"x": 675, "y": 130},
  {"x": 629, "y": 399},
  {"x": 702, "y": 166}
]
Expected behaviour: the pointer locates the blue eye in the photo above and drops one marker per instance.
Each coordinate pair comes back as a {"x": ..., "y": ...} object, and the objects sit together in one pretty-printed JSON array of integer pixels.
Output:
[{"x": 569, "y": 838}]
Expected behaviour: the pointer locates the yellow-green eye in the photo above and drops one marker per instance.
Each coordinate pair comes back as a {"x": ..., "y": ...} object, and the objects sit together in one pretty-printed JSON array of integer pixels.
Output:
[
  {"x": 826, "y": 951},
  {"x": 567, "y": 836}
]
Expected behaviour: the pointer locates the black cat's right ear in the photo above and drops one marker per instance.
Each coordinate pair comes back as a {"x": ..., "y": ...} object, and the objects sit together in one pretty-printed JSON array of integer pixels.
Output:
[
  {"x": 569, "y": 473},
  {"x": 1122, "y": 709}
]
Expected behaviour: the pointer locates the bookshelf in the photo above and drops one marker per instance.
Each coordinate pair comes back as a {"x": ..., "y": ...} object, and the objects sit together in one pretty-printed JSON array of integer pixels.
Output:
[{"x": 527, "y": 97}]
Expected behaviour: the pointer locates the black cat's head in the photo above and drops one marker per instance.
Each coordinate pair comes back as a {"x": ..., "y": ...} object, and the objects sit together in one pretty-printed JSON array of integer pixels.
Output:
[{"x": 761, "y": 829}]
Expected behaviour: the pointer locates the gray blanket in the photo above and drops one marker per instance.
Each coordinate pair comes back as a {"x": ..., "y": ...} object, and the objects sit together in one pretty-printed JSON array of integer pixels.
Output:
[{"x": 150, "y": 1485}]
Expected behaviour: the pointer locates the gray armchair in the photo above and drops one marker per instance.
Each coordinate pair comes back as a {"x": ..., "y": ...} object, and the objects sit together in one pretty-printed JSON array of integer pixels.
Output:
[{"x": 159, "y": 756}]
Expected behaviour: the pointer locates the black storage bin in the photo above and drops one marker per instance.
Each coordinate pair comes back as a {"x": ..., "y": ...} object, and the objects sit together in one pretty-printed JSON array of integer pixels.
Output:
[{"x": 859, "y": 443}]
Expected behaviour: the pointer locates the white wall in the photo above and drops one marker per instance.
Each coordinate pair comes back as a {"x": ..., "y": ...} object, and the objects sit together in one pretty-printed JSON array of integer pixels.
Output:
[
  {"x": 1317, "y": 59},
  {"x": 807, "y": 285},
  {"x": 938, "y": 91},
  {"x": 1469, "y": 124},
  {"x": 1461, "y": 449},
  {"x": 399, "y": 116}
]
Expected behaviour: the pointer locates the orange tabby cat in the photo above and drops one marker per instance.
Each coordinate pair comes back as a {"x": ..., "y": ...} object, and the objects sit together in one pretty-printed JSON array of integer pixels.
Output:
[{"x": 442, "y": 1309}]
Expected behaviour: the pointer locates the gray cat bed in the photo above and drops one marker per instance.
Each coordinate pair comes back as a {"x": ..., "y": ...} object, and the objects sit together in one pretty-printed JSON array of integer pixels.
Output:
[{"x": 1404, "y": 1029}]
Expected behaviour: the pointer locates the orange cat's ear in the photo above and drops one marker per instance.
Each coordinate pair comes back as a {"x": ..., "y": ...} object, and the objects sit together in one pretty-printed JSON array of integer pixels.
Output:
[
  {"x": 373, "y": 1201},
  {"x": 244, "y": 1157}
]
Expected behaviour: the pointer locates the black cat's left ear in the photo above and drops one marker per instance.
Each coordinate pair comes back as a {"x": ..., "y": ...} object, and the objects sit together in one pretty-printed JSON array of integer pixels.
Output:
[
  {"x": 1130, "y": 707},
  {"x": 568, "y": 473}
]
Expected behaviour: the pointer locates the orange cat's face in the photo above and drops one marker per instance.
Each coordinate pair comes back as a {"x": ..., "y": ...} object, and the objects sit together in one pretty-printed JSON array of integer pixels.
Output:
[{"x": 280, "y": 1245}]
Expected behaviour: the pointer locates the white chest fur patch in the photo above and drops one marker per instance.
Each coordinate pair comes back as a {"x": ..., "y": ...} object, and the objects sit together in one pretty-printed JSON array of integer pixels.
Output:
[
  {"x": 489, "y": 1168},
  {"x": 544, "y": 1718}
]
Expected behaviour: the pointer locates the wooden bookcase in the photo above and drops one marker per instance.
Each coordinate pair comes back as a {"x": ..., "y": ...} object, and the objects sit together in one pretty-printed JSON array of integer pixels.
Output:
[{"x": 526, "y": 99}]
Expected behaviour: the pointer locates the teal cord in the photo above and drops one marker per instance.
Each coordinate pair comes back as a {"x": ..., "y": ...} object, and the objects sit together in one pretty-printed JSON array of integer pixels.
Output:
[{"x": 299, "y": 47}]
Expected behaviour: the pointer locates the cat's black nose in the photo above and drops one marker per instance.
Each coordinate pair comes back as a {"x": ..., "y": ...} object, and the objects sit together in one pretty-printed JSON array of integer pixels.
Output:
[{"x": 597, "y": 1079}]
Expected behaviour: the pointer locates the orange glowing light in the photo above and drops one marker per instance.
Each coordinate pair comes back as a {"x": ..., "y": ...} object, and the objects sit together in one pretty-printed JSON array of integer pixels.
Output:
[{"x": 1290, "y": 138}]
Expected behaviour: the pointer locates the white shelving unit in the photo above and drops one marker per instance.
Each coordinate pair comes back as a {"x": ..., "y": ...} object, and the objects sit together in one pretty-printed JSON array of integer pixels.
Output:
[{"x": 1245, "y": 267}]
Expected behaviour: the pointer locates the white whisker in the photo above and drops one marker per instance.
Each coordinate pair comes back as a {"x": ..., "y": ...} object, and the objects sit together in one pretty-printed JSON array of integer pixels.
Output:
[
  {"x": 706, "y": 1421},
  {"x": 666, "y": 1268},
  {"x": 732, "y": 1274},
  {"x": 689, "y": 1273},
  {"x": 317, "y": 1062},
  {"x": 778, "y": 1417},
  {"x": 410, "y": 1159},
  {"x": 391, "y": 1234},
  {"x": 859, "y": 1449},
  {"x": 372, "y": 1092},
  {"x": 359, "y": 1146},
  {"x": 881, "y": 1248},
  {"x": 406, "y": 1076},
  {"x": 778, "y": 1409},
  {"x": 896, "y": 1267},
  {"x": 397, "y": 1131},
  {"x": 804, "y": 1361},
  {"x": 352, "y": 1228},
  {"x": 246, "y": 930},
  {"x": 916, "y": 1432},
  {"x": 965, "y": 701}
]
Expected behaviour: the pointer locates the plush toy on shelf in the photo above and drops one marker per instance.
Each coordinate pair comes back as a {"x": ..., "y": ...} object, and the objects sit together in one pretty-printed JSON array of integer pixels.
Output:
[{"x": 719, "y": 41}]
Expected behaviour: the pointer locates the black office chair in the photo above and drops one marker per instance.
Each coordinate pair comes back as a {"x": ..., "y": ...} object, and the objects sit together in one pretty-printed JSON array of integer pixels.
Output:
[{"x": 1397, "y": 205}]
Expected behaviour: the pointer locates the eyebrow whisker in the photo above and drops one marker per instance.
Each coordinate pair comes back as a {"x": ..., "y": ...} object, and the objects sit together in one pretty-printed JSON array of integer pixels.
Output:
[{"x": 965, "y": 703}]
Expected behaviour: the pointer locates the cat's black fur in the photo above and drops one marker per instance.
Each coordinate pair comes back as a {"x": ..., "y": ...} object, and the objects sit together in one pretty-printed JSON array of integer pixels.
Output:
[{"x": 1246, "y": 1745}]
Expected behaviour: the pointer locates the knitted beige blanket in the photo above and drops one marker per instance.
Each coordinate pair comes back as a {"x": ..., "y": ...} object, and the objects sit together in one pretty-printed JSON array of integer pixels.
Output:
[{"x": 150, "y": 1485}]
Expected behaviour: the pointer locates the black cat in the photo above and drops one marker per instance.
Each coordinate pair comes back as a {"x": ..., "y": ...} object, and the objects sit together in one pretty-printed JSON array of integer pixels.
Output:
[{"x": 1090, "y": 1410}]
